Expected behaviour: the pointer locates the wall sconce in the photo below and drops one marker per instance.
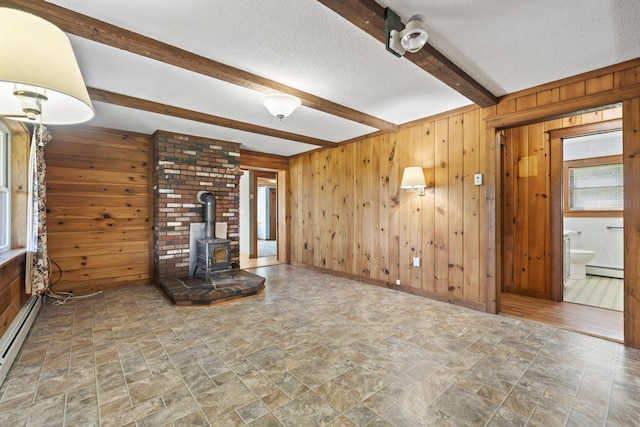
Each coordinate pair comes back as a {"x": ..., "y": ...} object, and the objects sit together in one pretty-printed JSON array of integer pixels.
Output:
[
  {"x": 39, "y": 74},
  {"x": 280, "y": 105},
  {"x": 413, "y": 179}
]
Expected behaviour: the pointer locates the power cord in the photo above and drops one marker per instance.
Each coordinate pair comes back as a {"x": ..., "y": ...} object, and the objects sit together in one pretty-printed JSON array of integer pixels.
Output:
[{"x": 61, "y": 298}]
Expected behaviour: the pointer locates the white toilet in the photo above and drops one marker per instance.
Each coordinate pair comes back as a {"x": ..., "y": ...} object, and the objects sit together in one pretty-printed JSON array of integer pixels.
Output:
[{"x": 579, "y": 259}]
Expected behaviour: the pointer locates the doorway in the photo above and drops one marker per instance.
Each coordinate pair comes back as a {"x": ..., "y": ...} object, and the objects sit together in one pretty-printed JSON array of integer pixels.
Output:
[
  {"x": 259, "y": 219},
  {"x": 533, "y": 224},
  {"x": 592, "y": 209},
  {"x": 266, "y": 216}
]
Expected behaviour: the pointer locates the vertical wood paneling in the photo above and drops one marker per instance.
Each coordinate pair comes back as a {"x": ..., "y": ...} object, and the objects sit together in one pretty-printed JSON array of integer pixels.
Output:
[
  {"x": 283, "y": 217},
  {"x": 488, "y": 222},
  {"x": 365, "y": 191},
  {"x": 456, "y": 206},
  {"x": 379, "y": 228},
  {"x": 471, "y": 225},
  {"x": 528, "y": 240},
  {"x": 327, "y": 195},
  {"x": 383, "y": 209},
  {"x": 631, "y": 165},
  {"x": 335, "y": 212},
  {"x": 538, "y": 208},
  {"x": 374, "y": 208},
  {"x": 507, "y": 200},
  {"x": 395, "y": 177},
  {"x": 520, "y": 207},
  {"x": 428, "y": 208},
  {"x": 441, "y": 222},
  {"x": 319, "y": 217},
  {"x": 356, "y": 220},
  {"x": 374, "y": 237},
  {"x": 306, "y": 190},
  {"x": 404, "y": 150},
  {"x": 559, "y": 99}
]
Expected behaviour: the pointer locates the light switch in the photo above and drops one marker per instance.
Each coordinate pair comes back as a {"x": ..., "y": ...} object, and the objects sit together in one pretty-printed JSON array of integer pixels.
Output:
[{"x": 477, "y": 179}]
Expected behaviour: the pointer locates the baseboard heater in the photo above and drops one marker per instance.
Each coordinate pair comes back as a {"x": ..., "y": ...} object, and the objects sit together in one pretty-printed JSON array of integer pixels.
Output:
[
  {"x": 595, "y": 270},
  {"x": 13, "y": 338}
]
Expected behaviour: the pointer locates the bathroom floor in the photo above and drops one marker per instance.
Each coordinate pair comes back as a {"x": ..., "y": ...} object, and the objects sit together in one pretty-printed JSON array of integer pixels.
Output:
[{"x": 597, "y": 291}]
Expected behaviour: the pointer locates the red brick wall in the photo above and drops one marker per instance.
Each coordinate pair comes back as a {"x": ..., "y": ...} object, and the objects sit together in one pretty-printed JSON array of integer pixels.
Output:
[{"x": 184, "y": 165}]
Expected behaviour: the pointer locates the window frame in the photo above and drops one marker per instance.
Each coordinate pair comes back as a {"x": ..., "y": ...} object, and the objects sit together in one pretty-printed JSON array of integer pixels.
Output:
[
  {"x": 5, "y": 187},
  {"x": 593, "y": 161}
]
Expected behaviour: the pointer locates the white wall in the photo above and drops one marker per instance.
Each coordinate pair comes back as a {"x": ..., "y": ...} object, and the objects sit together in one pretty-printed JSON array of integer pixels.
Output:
[
  {"x": 591, "y": 233},
  {"x": 245, "y": 213},
  {"x": 262, "y": 210}
]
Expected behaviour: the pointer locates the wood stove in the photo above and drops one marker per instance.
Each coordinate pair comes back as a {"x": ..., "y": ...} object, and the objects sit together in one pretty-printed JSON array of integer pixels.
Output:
[{"x": 213, "y": 256}]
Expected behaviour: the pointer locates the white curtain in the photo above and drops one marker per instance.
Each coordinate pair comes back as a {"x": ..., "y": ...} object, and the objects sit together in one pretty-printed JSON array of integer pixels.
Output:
[{"x": 37, "y": 277}]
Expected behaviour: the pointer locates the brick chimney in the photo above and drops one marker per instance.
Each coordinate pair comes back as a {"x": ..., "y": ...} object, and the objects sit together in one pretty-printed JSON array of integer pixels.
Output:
[{"x": 182, "y": 166}]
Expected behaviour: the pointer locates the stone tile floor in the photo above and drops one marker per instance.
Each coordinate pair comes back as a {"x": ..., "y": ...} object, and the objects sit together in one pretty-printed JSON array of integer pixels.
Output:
[{"x": 311, "y": 350}]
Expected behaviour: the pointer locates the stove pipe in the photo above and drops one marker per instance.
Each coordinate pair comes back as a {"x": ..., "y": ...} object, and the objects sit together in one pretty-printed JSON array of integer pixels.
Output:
[{"x": 209, "y": 202}]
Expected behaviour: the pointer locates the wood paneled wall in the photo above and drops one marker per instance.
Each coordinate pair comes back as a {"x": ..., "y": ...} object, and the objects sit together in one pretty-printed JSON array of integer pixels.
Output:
[
  {"x": 561, "y": 99},
  {"x": 528, "y": 184},
  {"x": 12, "y": 292},
  {"x": 12, "y": 263},
  {"x": 349, "y": 216},
  {"x": 98, "y": 208}
]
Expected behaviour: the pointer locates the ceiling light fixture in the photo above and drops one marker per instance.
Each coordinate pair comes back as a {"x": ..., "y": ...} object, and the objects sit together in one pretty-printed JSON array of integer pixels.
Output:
[
  {"x": 280, "y": 105},
  {"x": 411, "y": 38},
  {"x": 39, "y": 74}
]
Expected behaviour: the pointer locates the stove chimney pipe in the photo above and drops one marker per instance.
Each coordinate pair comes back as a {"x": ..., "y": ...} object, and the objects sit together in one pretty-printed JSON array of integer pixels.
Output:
[{"x": 209, "y": 202}]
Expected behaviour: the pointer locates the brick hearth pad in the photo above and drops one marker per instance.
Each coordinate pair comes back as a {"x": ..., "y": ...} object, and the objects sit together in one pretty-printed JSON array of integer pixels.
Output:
[{"x": 194, "y": 291}]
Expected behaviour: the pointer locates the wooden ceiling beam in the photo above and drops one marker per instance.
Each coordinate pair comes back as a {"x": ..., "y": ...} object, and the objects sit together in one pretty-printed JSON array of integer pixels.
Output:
[
  {"x": 120, "y": 38},
  {"x": 369, "y": 17},
  {"x": 182, "y": 113}
]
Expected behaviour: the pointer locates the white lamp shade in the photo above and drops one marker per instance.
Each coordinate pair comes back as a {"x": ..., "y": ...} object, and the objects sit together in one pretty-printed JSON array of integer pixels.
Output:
[
  {"x": 279, "y": 104},
  {"x": 36, "y": 56},
  {"x": 413, "y": 178}
]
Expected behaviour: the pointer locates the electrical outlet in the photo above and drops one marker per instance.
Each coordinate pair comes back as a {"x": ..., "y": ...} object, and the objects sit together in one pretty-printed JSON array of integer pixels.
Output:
[
  {"x": 416, "y": 261},
  {"x": 477, "y": 179},
  {"x": 398, "y": 282}
]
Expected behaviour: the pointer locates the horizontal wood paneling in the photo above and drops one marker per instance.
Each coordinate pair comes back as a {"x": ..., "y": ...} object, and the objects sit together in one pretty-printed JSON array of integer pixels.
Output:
[
  {"x": 98, "y": 208},
  {"x": 263, "y": 161},
  {"x": 379, "y": 228}
]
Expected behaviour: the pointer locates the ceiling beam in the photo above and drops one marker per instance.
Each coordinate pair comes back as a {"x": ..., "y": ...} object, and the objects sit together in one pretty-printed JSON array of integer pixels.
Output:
[
  {"x": 120, "y": 38},
  {"x": 182, "y": 113},
  {"x": 369, "y": 17}
]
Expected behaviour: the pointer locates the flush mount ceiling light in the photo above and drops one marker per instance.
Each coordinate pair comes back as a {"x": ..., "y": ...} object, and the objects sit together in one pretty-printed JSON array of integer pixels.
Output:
[
  {"x": 279, "y": 104},
  {"x": 410, "y": 39},
  {"x": 39, "y": 74}
]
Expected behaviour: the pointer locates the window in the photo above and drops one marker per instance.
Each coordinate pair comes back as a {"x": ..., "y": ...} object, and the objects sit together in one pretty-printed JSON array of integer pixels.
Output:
[
  {"x": 594, "y": 186},
  {"x": 5, "y": 190}
]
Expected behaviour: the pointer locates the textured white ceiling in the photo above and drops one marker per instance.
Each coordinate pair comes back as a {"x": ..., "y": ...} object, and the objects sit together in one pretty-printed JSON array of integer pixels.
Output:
[{"x": 505, "y": 45}]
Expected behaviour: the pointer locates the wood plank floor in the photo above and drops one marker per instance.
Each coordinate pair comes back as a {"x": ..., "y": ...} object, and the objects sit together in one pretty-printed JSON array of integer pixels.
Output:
[
  {"x": 246, "y": 262},
  {"x": 598, "y": 322}
]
